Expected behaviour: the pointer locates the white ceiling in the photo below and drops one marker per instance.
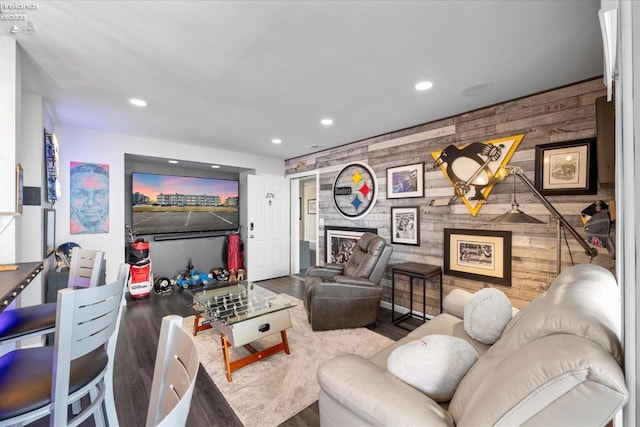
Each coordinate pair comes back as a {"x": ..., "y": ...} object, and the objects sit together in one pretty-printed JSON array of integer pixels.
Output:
[{"x": 236, "y": 74}]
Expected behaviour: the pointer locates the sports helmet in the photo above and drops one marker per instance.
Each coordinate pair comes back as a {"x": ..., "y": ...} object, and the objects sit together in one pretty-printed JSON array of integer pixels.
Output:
[{"x": 162, "y": 285}]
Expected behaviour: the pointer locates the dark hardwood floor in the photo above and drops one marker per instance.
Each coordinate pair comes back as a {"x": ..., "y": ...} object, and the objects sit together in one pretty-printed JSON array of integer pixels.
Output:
[{"x": 135, "y": 357}]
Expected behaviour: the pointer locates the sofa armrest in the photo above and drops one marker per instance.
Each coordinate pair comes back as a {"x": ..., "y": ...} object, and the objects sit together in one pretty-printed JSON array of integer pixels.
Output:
[
  {"x": 342, "y": 287},
  {"x": 328, "y": 270},
  {"x": 376, "y": 396},
  {"x": 355, "y": 281},
  {"x": 454, "y": 302}
]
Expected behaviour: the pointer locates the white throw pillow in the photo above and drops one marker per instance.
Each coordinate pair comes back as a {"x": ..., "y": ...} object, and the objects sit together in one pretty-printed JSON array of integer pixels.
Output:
[
  {"x": 486, "y": 314},
  {"x": 434, "y": 365}
]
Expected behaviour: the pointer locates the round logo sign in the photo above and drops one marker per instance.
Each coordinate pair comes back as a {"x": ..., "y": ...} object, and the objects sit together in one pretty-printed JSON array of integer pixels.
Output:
[{"x": 355, "y": 190}]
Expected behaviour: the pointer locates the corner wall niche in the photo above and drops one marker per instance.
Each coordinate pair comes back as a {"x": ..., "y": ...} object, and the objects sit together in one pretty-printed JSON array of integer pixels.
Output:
[{"x": 170, "y": 253}]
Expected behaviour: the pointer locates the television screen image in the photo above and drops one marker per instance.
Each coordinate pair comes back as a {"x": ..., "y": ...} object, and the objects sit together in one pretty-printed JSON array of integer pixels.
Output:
[{"x": 181, "y": 204}]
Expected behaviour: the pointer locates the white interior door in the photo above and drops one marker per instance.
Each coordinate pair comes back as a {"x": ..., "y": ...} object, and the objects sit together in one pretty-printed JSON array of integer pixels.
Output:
[{"x": 268, "y": 227}]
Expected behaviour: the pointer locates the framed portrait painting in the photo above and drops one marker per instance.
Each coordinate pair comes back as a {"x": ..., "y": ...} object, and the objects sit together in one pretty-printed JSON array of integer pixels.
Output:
[
  {"x": 405, "y": 181},
  {"x": 567, "y": 168},
  {"x": 340, "y": 242},
  {"x": 483, "y": 255},
  {"x": 88, "y": 198},
  {"x": 405, "y": 225}
]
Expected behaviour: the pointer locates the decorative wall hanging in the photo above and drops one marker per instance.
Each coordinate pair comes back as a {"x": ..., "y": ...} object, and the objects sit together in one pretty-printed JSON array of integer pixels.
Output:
[
  {"x": 564, "y": 168},
  {"x": 478, "y": 255},
  {"x": 89, "y": 198},
  {"x": 340, "y": 241},
  {"x": 19, "y": 189},
  {"x": 405, "y": 181},
  {"x": 473, "y": 169},
  {"x": 52, "y": 160},
  {"x": 355, "y": 190},
  {"x": 405, "y": 225}
]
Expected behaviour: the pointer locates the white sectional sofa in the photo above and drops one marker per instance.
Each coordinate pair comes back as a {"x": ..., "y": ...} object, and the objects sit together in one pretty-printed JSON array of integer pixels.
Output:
[{"x": 557, "y": 363}]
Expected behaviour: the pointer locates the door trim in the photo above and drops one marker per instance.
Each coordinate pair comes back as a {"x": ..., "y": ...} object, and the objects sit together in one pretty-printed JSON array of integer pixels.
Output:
[{"x": 294, "y": 179}]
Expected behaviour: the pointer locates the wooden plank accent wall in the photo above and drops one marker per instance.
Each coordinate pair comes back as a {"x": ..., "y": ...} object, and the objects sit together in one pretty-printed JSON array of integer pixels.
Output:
[{"x": 563, "y": 114}]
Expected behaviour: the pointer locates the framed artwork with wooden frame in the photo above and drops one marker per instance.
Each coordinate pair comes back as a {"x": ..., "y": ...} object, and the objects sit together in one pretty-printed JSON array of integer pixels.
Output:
[
  {"x": 340, "y": 242},
  {"x": 405, "y": 181},
  {"x": 405, "y": 225},
  {"x": 483, "y": 255},
  {"x": 567, "y": 168}
]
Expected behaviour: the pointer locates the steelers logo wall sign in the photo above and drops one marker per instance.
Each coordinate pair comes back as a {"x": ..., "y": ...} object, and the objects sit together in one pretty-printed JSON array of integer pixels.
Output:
[{"x": 355, "y": 190}]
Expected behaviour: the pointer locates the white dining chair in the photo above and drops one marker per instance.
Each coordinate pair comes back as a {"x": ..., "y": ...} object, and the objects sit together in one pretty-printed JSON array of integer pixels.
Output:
[
  {"x": 174, "y": 376},
  {"x": 40, "y": 381}
]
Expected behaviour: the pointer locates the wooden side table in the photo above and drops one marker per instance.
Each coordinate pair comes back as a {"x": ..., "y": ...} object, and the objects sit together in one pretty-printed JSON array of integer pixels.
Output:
[{"x": 414, "y": 270}]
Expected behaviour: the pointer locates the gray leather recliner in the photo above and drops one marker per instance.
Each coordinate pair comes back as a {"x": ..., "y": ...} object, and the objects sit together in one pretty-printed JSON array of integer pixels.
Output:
[{"x": 347, "y": 295}]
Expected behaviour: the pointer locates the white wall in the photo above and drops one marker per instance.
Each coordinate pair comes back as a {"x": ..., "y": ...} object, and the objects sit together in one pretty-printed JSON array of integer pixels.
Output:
[
  {"x": 9, "y": 115},
  {"x": 85, "y": 145}
]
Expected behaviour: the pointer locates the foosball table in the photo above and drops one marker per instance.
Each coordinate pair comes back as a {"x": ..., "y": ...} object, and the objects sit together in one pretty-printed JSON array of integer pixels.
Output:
[{"x": 243, "y": 313}]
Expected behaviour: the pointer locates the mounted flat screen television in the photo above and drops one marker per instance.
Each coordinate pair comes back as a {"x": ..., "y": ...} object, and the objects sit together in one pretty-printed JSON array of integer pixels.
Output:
[{"x": 164, "y": 204}]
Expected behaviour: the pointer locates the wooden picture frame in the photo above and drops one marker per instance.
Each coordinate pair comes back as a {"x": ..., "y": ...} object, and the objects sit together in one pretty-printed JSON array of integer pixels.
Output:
[
  {"x": 312, "y": 208},
  {"x": 405, "y": 181},
  {"x": 567, "y": 168},
  {"x": 483, "y": 255},
  {"x": 340, "y": 241},
  {"x": 405, "y": 225}
]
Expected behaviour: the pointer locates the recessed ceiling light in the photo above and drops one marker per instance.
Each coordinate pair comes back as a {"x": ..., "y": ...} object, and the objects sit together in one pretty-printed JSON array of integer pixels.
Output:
[
  {"x": 326, "y": 122},
  {"x": 276, "y": 141},
  {"x": 173, "y": 161},
  {"x": 423, "y": 85},
  {"x": 138, "y": 102},
  {"x": 215, "y": 166}
]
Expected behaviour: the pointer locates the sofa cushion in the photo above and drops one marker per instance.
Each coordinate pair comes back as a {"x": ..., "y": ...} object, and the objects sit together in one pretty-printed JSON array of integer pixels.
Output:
[
  {"x": 561, "y": 370},
  {"x": 486, "y": 314},
  {"x": 364, "y": 256},
  {"x": 443, "y": 324},
  {"x": 434, "y": 364},
  {"x": 376, "y": 396}
]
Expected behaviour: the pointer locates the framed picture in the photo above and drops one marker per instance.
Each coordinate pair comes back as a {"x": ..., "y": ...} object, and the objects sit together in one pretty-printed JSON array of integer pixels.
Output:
[
  {"x": 478, "y": 255},
  {"x": 311, "y": 206},
  {"x": 565, "y": 168},
  {"x": 19, "y": 188},
  {"x": 340, "y": 242},
  {"x": 405, "y": 225},
  {"x": 49, "y": 232},
  {"x": 405, "y": 181}
]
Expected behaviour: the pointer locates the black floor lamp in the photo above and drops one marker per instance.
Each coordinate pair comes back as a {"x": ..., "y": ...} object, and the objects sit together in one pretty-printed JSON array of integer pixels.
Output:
[{"x": 516, "y": 216}]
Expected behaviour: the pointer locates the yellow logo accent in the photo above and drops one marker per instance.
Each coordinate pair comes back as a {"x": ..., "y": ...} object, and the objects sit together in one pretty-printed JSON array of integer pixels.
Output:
[
  {"x": 473, "y": 169},
  {"x": 356, "y": 177}
]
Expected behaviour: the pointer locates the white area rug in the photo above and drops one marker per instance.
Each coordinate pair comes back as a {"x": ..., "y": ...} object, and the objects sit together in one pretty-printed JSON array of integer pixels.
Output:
[{"x": 274, "y": 389}]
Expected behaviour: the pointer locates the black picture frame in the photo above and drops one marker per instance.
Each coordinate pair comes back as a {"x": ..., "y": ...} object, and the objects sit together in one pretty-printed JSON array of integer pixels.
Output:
[
  {"x": 405, "y": 225},
  {"x": 405, "y": 181},
  {"x": 340, "y": 241},
  {"x": 483, "y": 255},
  {"x": 19, "y": 189},
  {"x": 49, "y": 232},
  {"x": 567, "y": 168}
]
